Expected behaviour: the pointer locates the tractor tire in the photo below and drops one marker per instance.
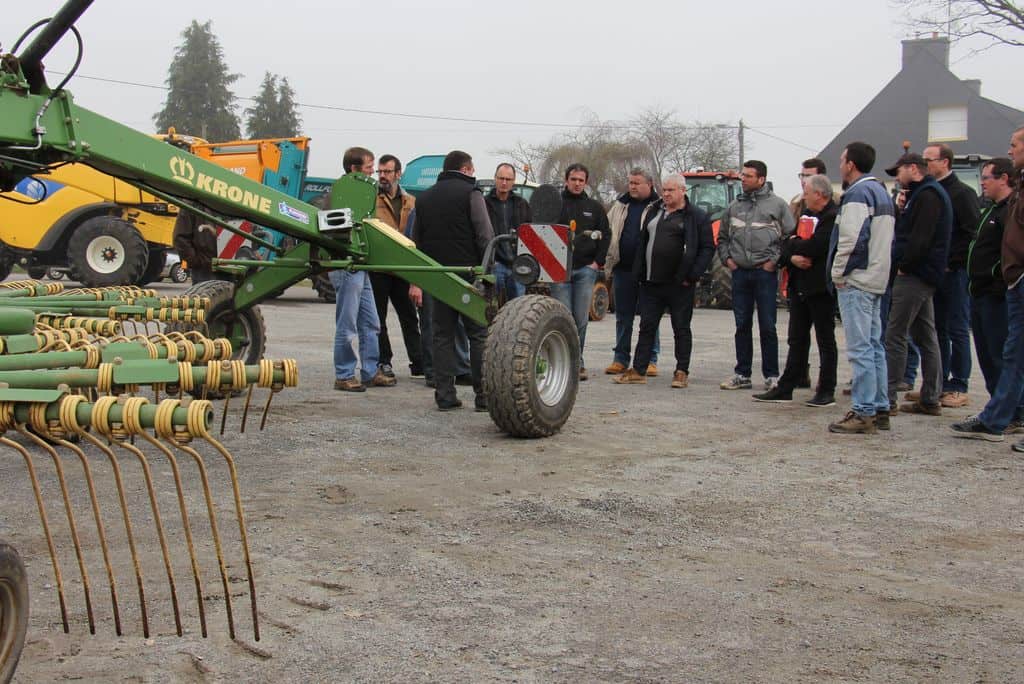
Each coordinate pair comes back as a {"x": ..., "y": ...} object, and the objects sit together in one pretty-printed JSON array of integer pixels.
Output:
[
  {"x": 246, "y": 329},
  {"x": 154, "y": 266},
  {"x": 599, "y": 301},
  {"x": 14, "y": 610},
  {"x": 717, "y": 290},
  {"x": 6, "y": 262},
  {"x": 106, "y": 251},
  {"x": 531, "y": 366},
  {"x": 324, "y": 288}
]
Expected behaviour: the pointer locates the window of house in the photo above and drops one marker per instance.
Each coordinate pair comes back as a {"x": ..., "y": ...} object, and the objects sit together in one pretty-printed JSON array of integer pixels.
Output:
[{"x": 947, "y": 123}]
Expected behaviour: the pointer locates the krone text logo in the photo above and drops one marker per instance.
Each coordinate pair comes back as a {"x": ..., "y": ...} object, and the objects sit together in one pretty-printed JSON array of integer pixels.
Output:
[{"x": 182, "y": 171}]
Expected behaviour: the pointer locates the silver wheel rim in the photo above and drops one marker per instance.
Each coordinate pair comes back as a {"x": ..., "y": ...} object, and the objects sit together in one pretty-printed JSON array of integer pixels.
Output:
[
  {"x": 105, "y": 254},
  {"x": 553, "y": 368}
]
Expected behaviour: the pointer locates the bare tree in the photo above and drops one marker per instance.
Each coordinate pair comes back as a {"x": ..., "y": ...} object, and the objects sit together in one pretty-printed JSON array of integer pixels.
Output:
[{"x": 999, "y": 22}]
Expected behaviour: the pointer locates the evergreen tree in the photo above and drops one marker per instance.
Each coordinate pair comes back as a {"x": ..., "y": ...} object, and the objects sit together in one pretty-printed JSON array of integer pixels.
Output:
[
  {"x": 273, "y": 114},
  {"x": 200, "y": 100}
]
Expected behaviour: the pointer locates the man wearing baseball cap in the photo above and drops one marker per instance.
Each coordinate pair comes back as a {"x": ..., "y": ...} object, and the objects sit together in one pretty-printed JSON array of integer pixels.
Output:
[{"x": 920, "y": 250}]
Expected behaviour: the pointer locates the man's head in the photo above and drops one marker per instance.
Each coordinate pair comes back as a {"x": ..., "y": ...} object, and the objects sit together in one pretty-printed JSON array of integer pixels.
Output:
[
  {"x": 817, "y": 192},
  {"x": 939, "y": 159},
  {"x": 504, "y": 180},
  {"x": 809, "y": 168},
  {"x": 996, "y": 175},
  {"x": 389, "y": 172},
  {"x": 908, "y": 169},
  {"x": 640, "y": 184},
  {"x": 460, "y": 161},
  {"x": 358, "y": 160},
  {"x": 1016, "y": 152},
  {"x": 857, "y": 159},
  {"x": 673, "y": 191},
  {"x": 753, "y": 175},
  {"x": 576, "y": 177}
]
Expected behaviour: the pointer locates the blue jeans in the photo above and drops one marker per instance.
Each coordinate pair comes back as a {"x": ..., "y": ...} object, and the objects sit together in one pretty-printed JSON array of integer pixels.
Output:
[
  {"x": 1004, "y": 405},
  {"x": 750, "y": 287},
  {"x": 355, "y": 316},
  {"x": 576, "y": 295},
  {"x": 988, "y": 321},
  {"x": 953, "y": 326},
  {"x": 507, "y": 286},
  {"x": 626, "y": 294},
  {"x": 862, "y": 323}
]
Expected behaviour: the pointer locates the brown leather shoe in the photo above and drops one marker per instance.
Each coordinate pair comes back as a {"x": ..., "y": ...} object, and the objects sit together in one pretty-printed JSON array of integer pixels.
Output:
[
  {"x": 652, "y": 370},
  {"x": 381, "y": 380},
  {"x": 583, "y": 374},
  {"x": 680, "y": 379},
  {"x": 615, "y": 369},
  {"x": 349, "y": 385},
  {"x": 630, "y": 377},
  {"x": 912, "y": 395},
  {"x": 854, "y": 424},
  {"x": 921, "y": 409},
  {"x": 953, "y": 399}
]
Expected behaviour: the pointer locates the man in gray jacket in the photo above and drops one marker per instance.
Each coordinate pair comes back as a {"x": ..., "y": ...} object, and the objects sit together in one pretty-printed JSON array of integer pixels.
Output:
[{"x": 750, "y": 244}]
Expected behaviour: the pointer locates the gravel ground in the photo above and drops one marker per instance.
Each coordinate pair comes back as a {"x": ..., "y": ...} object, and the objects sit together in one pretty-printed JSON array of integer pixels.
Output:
[{"x": 663, "y": 536}]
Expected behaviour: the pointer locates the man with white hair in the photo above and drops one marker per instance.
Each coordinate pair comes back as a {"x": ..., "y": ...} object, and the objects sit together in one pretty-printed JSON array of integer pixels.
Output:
[
  {"x": 676, "y": 247},
  {"x": 810, "y": 302}
]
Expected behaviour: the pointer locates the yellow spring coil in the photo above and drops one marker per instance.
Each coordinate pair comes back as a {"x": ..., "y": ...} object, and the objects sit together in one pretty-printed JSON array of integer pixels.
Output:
[
  {"x": 185, "y": 378},
  {"x": 68, "y": 412},
  {"x": 101, "y": 415},
  {"x": 92, "y": 356},
  {"x": 291, "y": 372},
  {"x": 265, "y": 379},
  {"x": 223, "y": 345},
  {"x": 238, "y": 375},
  {"x": 131, "y": 414},
  {"x": 105, "y": 378},
  {"x": 163, "y": 423},
  {"x": 7, "y": 416},
  {"x": 213, "y": 375}
]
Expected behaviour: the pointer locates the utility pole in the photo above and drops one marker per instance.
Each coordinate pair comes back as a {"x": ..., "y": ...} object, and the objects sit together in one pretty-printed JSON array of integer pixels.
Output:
[{"x": 742, "y": 158}]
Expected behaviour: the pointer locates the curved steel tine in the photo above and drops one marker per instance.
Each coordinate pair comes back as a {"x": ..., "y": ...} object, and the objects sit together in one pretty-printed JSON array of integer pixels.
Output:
[{"x": 245, "y": 409}]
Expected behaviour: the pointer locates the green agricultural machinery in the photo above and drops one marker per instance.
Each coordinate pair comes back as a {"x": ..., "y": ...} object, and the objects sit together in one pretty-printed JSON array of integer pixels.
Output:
[{"x": 73, "y": 364}]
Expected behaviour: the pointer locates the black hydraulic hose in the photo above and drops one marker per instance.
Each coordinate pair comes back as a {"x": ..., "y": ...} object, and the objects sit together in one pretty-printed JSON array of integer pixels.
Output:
[{"x": 32, "y": 58}]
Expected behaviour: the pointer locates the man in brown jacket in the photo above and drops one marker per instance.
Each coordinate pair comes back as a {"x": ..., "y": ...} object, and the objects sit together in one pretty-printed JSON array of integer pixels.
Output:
[{"x": 393, "y": 208}]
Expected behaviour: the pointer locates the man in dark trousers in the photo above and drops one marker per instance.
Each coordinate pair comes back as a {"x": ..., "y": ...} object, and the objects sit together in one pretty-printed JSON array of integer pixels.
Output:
[
  {"x": 452, "y": 227},
  {"x": 507, "y": 211},
  {"x": 195, "y": 240},
  {"x": 810, "y": 302},
  {"x": 589, "y": 248},
  {"x": 920, "y": 251},
  {"x": 676, "y": 247}
]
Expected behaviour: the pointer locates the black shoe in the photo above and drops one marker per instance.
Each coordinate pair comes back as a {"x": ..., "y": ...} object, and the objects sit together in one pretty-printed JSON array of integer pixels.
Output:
[
  {"x": 821, "y": 400},
  {"x": 429, "y": 382},
  {"x": 480, "y": 404},
  {"x": 466, "y": 379},
  {"x": 449, "y": 405},
  {"x": 386, "y": 369},
  {"x": 973, "y": 428},
  {"x": 415, "y": 371},
  {"x": 775, "y": 394}
]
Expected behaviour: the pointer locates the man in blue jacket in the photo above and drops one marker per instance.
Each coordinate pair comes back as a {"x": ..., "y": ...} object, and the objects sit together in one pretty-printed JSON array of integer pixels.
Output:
[{"x": 920, "y": 251}]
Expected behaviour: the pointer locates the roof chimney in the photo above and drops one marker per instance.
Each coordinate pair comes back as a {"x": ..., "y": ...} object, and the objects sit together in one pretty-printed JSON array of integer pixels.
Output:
[
  {"x": 937, "y": 46},
  {"x": 974, "y": 84}
]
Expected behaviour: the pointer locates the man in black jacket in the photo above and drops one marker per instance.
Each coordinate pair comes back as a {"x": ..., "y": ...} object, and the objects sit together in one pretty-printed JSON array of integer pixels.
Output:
[
  {"x": 451, "y": 226},
  {"x": 507, "y": 211},
  {"x": 588, "y": 250},
  {"x": 952, "y": 305},
  {"x": 920, "y": 252},
  {"x": 810, "y": 301},
  {"x": 676, "y": 247}
]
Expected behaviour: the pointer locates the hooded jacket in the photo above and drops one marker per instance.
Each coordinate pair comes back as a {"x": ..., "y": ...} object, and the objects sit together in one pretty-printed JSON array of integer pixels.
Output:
[
  {"x": 617, "y": 216},
  {"x": 590, "y": 220},
  {"x": 684, "y": 245},
  {"x": 753, "y": 228}
]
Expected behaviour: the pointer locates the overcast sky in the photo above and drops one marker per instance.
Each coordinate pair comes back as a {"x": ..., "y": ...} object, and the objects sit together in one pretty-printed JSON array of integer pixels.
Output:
[{"x": 795, "y": 70}]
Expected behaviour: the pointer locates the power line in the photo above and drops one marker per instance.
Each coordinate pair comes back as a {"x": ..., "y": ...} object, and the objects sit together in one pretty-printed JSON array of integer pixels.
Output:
[{"x": 775, "y": 137}]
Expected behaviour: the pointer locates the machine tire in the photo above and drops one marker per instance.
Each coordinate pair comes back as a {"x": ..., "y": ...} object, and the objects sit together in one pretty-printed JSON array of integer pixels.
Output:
[
  {"x": 246, "y": 329},
  {"x": 14, "y": 610},
  {"x": 6, "y": 262},
  {"x": 599, "y": 301},
  {"x": 106, "y": 251},
  {"x": 531, "y": 366},
  {"x": 716, "y": 292},
  {"x": 36, "y": 272},
  {"x": 154, "y": 266},
  {"x": 55, "y": 274},
  {"x": 324, "y": 288},
  {"x": 177, "y": 274}
]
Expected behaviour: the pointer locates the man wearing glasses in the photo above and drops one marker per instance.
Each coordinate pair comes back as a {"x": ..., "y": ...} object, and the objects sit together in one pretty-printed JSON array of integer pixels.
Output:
[
  {"x": 507, "y": 210},
  {"x": 393, "y": 208},
  {"x": 810, "y": 167}
]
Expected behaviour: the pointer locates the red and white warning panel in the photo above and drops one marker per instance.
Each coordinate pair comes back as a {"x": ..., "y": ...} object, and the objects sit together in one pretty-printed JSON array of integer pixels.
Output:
[{"x": 551, "y": 246}]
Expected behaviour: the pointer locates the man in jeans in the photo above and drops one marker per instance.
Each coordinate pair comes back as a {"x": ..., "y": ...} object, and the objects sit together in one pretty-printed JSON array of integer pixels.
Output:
[
  {"x": 1002, "y": 407},
  {"x": 589, "y": 248},
  {"x": 355, "y": 312},
  {"x": 860, "y": 253},
  {"x": 750, "y": 243},
  {"x": 920, "y": 252},
  {"x": 624, "y": 219}
]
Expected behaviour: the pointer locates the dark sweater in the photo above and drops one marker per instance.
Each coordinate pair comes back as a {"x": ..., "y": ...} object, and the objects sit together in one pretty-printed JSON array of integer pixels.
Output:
[
  {"x": 920, "y": 245},
  {"x": 984, "y": 270},
  {"x": 966, "y": 214},
  {"x": 590, "y": 219}
]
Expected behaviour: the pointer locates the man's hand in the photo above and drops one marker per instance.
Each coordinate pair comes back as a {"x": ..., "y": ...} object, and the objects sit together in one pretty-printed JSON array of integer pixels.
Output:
[
  {"x": 769, "y": 266},
  {"x": 594, "y": 266},
  {"x": 416, "y": 295},
  {"x": 839, "y": 286},
  {"x": 731, "y": 264},
  {"x": 801, "y": 262}
]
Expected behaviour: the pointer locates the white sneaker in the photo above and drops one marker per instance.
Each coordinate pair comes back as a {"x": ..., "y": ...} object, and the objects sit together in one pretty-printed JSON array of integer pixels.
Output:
[
  {"x": 736, "y": 382},
  {"x": 771, "y": 383}
]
